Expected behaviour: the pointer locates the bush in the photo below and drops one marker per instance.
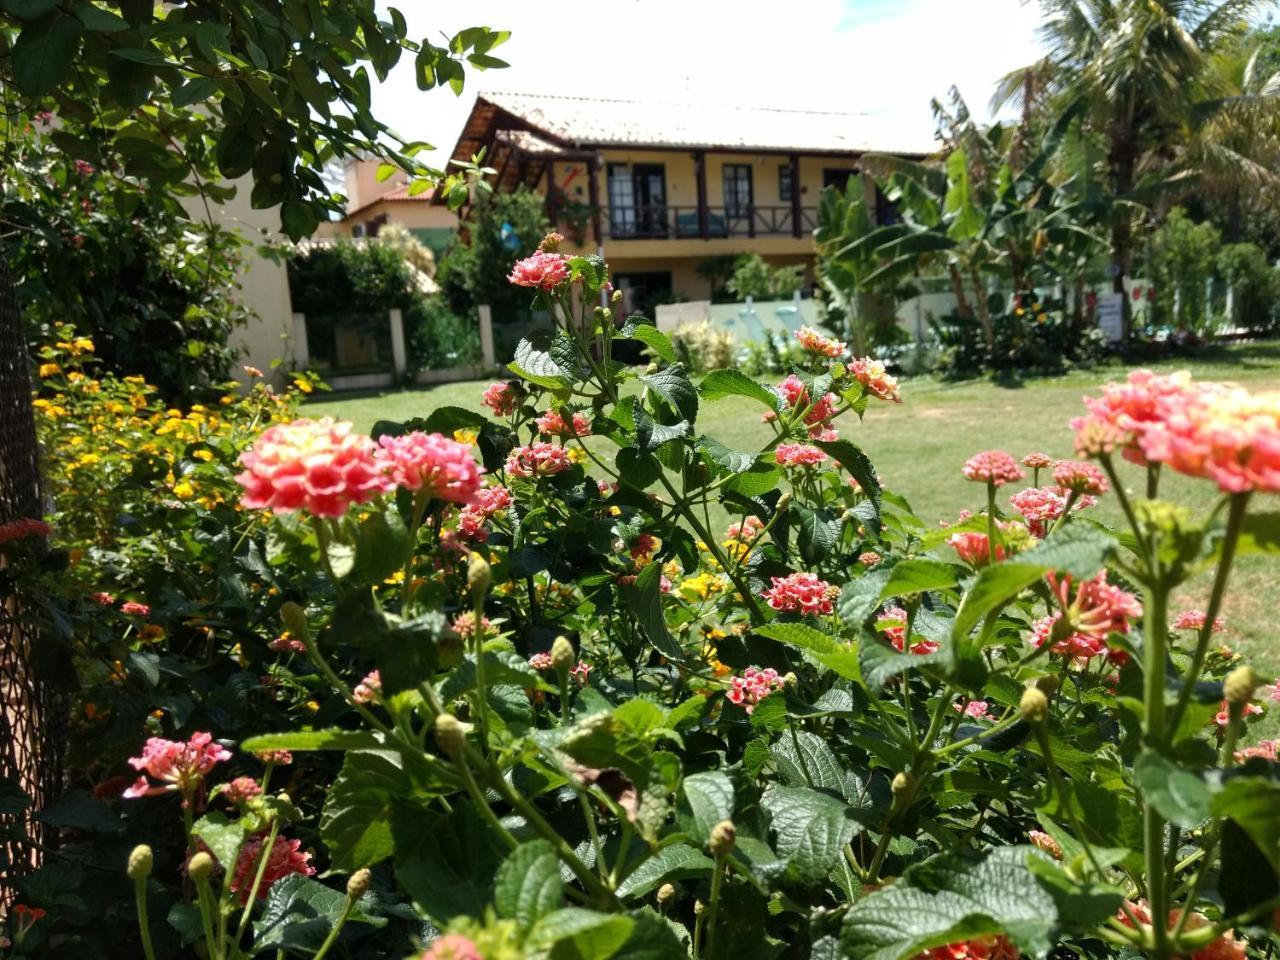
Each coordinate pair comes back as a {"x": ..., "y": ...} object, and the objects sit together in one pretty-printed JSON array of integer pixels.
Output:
[
  {"x": 574, "y": 718},
  {"x": 703, "y": 346},
  {"x": 753, "y": 277},
  {"x": 1181, "y": 259},
  {"x": 1254, "y": 286}
]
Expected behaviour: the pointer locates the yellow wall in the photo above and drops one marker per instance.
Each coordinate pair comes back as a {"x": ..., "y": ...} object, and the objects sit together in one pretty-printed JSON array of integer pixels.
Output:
[
  {"x": 685, "y": 282},
  {"x": 412, "y": 214}
]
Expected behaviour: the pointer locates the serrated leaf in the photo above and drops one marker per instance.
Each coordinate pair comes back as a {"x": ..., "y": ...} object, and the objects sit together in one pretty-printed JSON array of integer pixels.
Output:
[
  {"x": 1252, "y": 802},
  {"x": 299, "y": 913},
  {"x": 221, "y": 835},
  {"x": 811, "y": 829},
  {"x": 644, "y": 599},
  {"x": 537, "y": 366},
  {"x": 722, "y": 456},
  {"x": 305, "y": 740},
  {"x": 673, "y": 385},
  {"x": 529, "y": 885},
  {"x": 445, "y": 862},
  {"x": 710, "y": 799},
  {"x": 817, "y": 533},
  {"x": 355, "y": 822},
  {"x": 806, "y": 759},
  {"x": 580, "y": 934},
  {"x": 719, "y": 384},
  {"x": 880, "y": 663},
  {"x": 651, "y": 337},
  {"x": 851, "y": 457},
  {"x": 840, "y": 658},
  {"x": 1179, "y": 795},
  {"x": 678, "y": 861},
  {"x": 918, "y": 575}
]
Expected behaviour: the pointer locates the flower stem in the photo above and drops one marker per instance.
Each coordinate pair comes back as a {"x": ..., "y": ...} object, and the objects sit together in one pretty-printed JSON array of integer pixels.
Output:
[
  {"x": 717, "y": 880},
  {"x": 140, "y": 897},
  {"x": 1155, "y": 642},
  {"x": 991, "y": 522},
  {"x": 332, "y": 938}
]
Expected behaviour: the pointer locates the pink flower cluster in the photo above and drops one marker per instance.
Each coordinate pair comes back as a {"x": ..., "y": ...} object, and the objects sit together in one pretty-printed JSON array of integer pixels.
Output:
[
  {"x": 1263, "y": 750},
  {"x": 1097, "y": 610},
  {"x": 998, "y": 947},
  {"x": 543, "y": 270},
  {"x": 815, "y": 342},
  {"x": 973, "y": 547},
  {"x": 489, "y": 501},
  {"x": 177, "y": 765},
  {"x": 432, "y": 464},
  {"x": 135, "y": 609},
  {"x": 1039, "y": 506},
  {"x": 1037, "y": 461},
  {"x": 875, "y": 379},
  {"x": 817, "y": 418},
  {"x": 368, "y": 689},
  {"x": 319, "y": 466},
  {"x": 285, "y": 857},
  {"x": 22, "y": 529},
  {"x": 801, "y": 593},
  {"x": 798, "y": 456},
  {"x": 1225, "y": 947},
  {"x": 1080, "y": 477},
  {"x": 553, "y": 422},
  {"x": 242, "y": 790},
  {"x": 464, "y": 624},
  {"x": 539, "y": 459},
  {"x": 502, "y": 398},
  {"x": 452, "y": 946},
  {"x": 286, "y": 644},
  {"x": 746, "y": 531},
  {"x": 541, "y": 661},
  {"x": 994, "y": 467},
  {"x": 752, "y": 686},
  {"x": 1043, "y": 841},
  {"x": 1121, "y": 417},
  {"x": 974, "y": 709},
  {"x": 1223, "y": 717},
  {"x": 1194, "y": 620},
  {"x": 893, "y": 624}
]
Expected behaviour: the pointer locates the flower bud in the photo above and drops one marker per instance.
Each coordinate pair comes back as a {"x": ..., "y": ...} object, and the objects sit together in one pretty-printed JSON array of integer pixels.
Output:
[
  {"x": 1240, "y": 684},
  {"x": 699, "y": 908},
  {"x": 616, "y": 298},
  {"x": 1047, "y": 684},
  {"x": 141, "y": 861},
  {"x": 651, "y": 369},
  {"x": 358, "y": 883},
  {"x": 903, "y": 784},
  {"x": 479, "y": 575},
  {"x": 784, "y": 501},
  {"x": 451, "y": 735},
  {"x": 723, "y": 836},
  {"x": 1034, "y": 705},
  {"x": 199, "y": 867},
  {"x": 666, "y": 896},
  {"x": 789, "y": 679},
  {"x": 562, "y": 656}
]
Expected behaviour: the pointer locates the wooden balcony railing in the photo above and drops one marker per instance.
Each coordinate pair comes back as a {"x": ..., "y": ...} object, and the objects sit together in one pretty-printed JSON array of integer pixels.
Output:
[{"x": 660, "y": 222}]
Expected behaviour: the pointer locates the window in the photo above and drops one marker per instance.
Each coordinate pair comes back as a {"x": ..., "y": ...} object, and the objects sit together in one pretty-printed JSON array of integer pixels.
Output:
[
  {"x": 837, "y": 177},
  {"x": 786, "y": 183},
  {"x": 637, "y": 199},
  {"x": 737, "y": 190}
]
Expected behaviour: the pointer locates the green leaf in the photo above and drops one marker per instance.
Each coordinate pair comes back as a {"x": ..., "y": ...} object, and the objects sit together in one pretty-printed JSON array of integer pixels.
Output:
[
  {"x": 195, "y": 90},
  {"x": 851, "y": 457},
  {"x": 918, "y": 575},
  {"x": 654, "y": 938},
  {"x": 1252, "y": 803},
  {"x": 1179, "y": 795},
  {"x": 528, "y": 885},
  {"x": 952, "y": 897},
  {"x": 805, "y": 759},
  {"x": 673, "y": 385},
  {"x": 97, "y": 19},
  {"x": 717, "y": 454},
  {"x": 185, "y": 919},
  {"x": 710, "y": 799},
  {"x": 305, "y": 740},
  {"x": 44, "y": 52},
  {"x": 652, "y": 338},
  {"x": 537, "y": 366},
  {"x": 575, "y": 933},
  {"x": 811, "y": 829},
  {"x": 355, "y": 822},
  {"x": 644, "y": 599},
  {"x": 222, "y": 836},
  {"x": 651, "y": 435},
  {"x": 27, "y": 9},
  {"x": 446, "y": 863},
  {"x": 719, "y": 384},
  {"x": 382, "y": 546},
  {"x": 299, "y": 913},
  {"x": 817, "y": 534},
  {"x": 840, "y": 658},
  {"x": 677, "y": 861},
  {"x": 1259, "y": 533},
  {"x": 78, "y": 810}
]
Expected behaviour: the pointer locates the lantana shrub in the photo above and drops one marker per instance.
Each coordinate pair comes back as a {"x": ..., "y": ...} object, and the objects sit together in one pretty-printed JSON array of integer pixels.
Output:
[{"x": 575, "y": 718}]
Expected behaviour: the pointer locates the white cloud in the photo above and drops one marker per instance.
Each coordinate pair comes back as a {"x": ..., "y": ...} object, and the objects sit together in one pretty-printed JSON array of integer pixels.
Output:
[{"x": 885, "y": 56}]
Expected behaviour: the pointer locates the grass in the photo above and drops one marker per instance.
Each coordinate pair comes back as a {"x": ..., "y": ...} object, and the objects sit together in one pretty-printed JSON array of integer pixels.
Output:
[{"x": 919, "y": 446}]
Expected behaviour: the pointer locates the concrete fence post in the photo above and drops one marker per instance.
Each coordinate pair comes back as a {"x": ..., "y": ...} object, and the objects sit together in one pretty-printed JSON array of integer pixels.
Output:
[
  {"x": 399, "y": 360},
  {"x": 486, "y": 336},
  {"x": 301, "y": 355}
]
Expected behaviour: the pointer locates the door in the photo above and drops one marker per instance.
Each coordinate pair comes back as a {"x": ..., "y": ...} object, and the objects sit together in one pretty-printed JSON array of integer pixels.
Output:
[
  {"x": 738, "y": 199},
  {"x": 637, "y": 200}
]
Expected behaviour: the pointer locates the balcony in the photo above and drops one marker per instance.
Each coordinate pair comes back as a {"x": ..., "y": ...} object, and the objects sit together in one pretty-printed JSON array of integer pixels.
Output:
[{"x": 661, "y": 222}]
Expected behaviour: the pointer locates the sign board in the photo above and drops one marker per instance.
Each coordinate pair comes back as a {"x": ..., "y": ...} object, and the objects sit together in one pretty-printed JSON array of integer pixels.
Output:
[{"x": 1111, "y": 316}]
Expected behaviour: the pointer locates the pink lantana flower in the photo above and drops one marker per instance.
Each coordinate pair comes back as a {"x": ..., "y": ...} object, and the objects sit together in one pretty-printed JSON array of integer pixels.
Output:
[
  {"x": 1039, "y": 506},
  {"x": 502, "y": 398},
  {"x": 541, "y": 661},
  {"x": 1194, "y": 620},
  {"x": 1125, "y": 412},
  {"x": 995, "y": 947},
  {"x": 893, "y": 624},
  {"x": 1037, "y": 461},
  {"x": 1096, "y": 610},
  {"x": 368, "y": 689},
  {"x": 319, "y": 466},
  {"x": 553, "y": 423},
  {"x": 543, "y": 270},
  {"x": 242, "y": 790},
  {"x": 815, "y": 342},
  {"x": 1264, "y": 750},
  {"x": 992, "y": 466},
  {"x": 464, "y": 624},
  {"x": 973, "y": 547},
  {"x": 752, "y": 686},
  {"x": 973, "y": 709},
  {"x": 1046, "y": 843},
  {"x": 801, "y": 593},
  {"x": 799, "y": 456},
  {"x": 286, "y": 857},
  {"x": 178, "y": 766},
  {"x": 452, "y": 946},
  {"x": 746, "y": 531},
  {"x": 433, "y": 465},
  {"x": 875, "y": 379},
  {"x": 539, "y": 459},
  {"x": 135, "y": 609},
  {"x": 1079, "y": 477},
  {"x": 1223, "y": 716}
]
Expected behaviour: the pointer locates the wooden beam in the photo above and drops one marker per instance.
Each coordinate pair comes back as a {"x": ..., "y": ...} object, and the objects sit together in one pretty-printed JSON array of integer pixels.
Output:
[
  {"x": 795, "y": 195},
  {"x": 553, "y": 193},
  {"x": 593, "y": 196},
  {"x": 700, "y": 170}
]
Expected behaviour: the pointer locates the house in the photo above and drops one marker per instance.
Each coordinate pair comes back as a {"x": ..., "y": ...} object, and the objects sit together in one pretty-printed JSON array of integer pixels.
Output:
[
  {"x": 660, "y": 189},
  {"x": 372, "y": 204}
]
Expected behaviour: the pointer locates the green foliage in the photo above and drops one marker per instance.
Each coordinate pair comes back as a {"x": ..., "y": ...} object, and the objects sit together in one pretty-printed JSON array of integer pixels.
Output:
[
  {"x": 1254, "y": 285},
  {"x": 753, "y": 277},
  {"x": 1181, "y": 261}
]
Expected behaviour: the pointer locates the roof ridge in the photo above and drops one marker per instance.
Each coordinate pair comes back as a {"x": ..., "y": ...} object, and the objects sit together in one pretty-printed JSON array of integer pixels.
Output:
[{"x": 672, "y": 103}]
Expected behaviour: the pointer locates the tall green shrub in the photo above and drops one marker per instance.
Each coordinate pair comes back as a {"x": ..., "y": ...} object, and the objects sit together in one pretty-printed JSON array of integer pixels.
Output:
[
  {"x": 1253, "y": 282},
  {"x": 1182, "y": 256}
]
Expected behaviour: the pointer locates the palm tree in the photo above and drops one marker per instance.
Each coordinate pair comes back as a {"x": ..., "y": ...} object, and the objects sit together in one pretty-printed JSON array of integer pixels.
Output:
[{"x": 1144, "y": 74}]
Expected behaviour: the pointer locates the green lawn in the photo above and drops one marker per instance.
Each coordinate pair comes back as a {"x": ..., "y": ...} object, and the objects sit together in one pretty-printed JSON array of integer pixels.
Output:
[{"x": 919, "y": 446}]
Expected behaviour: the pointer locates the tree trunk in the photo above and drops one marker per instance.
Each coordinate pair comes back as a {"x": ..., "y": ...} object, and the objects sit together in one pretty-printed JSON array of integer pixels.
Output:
[
  {"x": 31, "y": 729},
  {"x": 984, "y": 310},
  {"x": 1122, "y": 161}
]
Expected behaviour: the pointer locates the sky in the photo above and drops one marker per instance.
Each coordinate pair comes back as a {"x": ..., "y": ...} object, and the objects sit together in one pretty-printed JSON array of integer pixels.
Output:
[{"x": 856, "y": 56}]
